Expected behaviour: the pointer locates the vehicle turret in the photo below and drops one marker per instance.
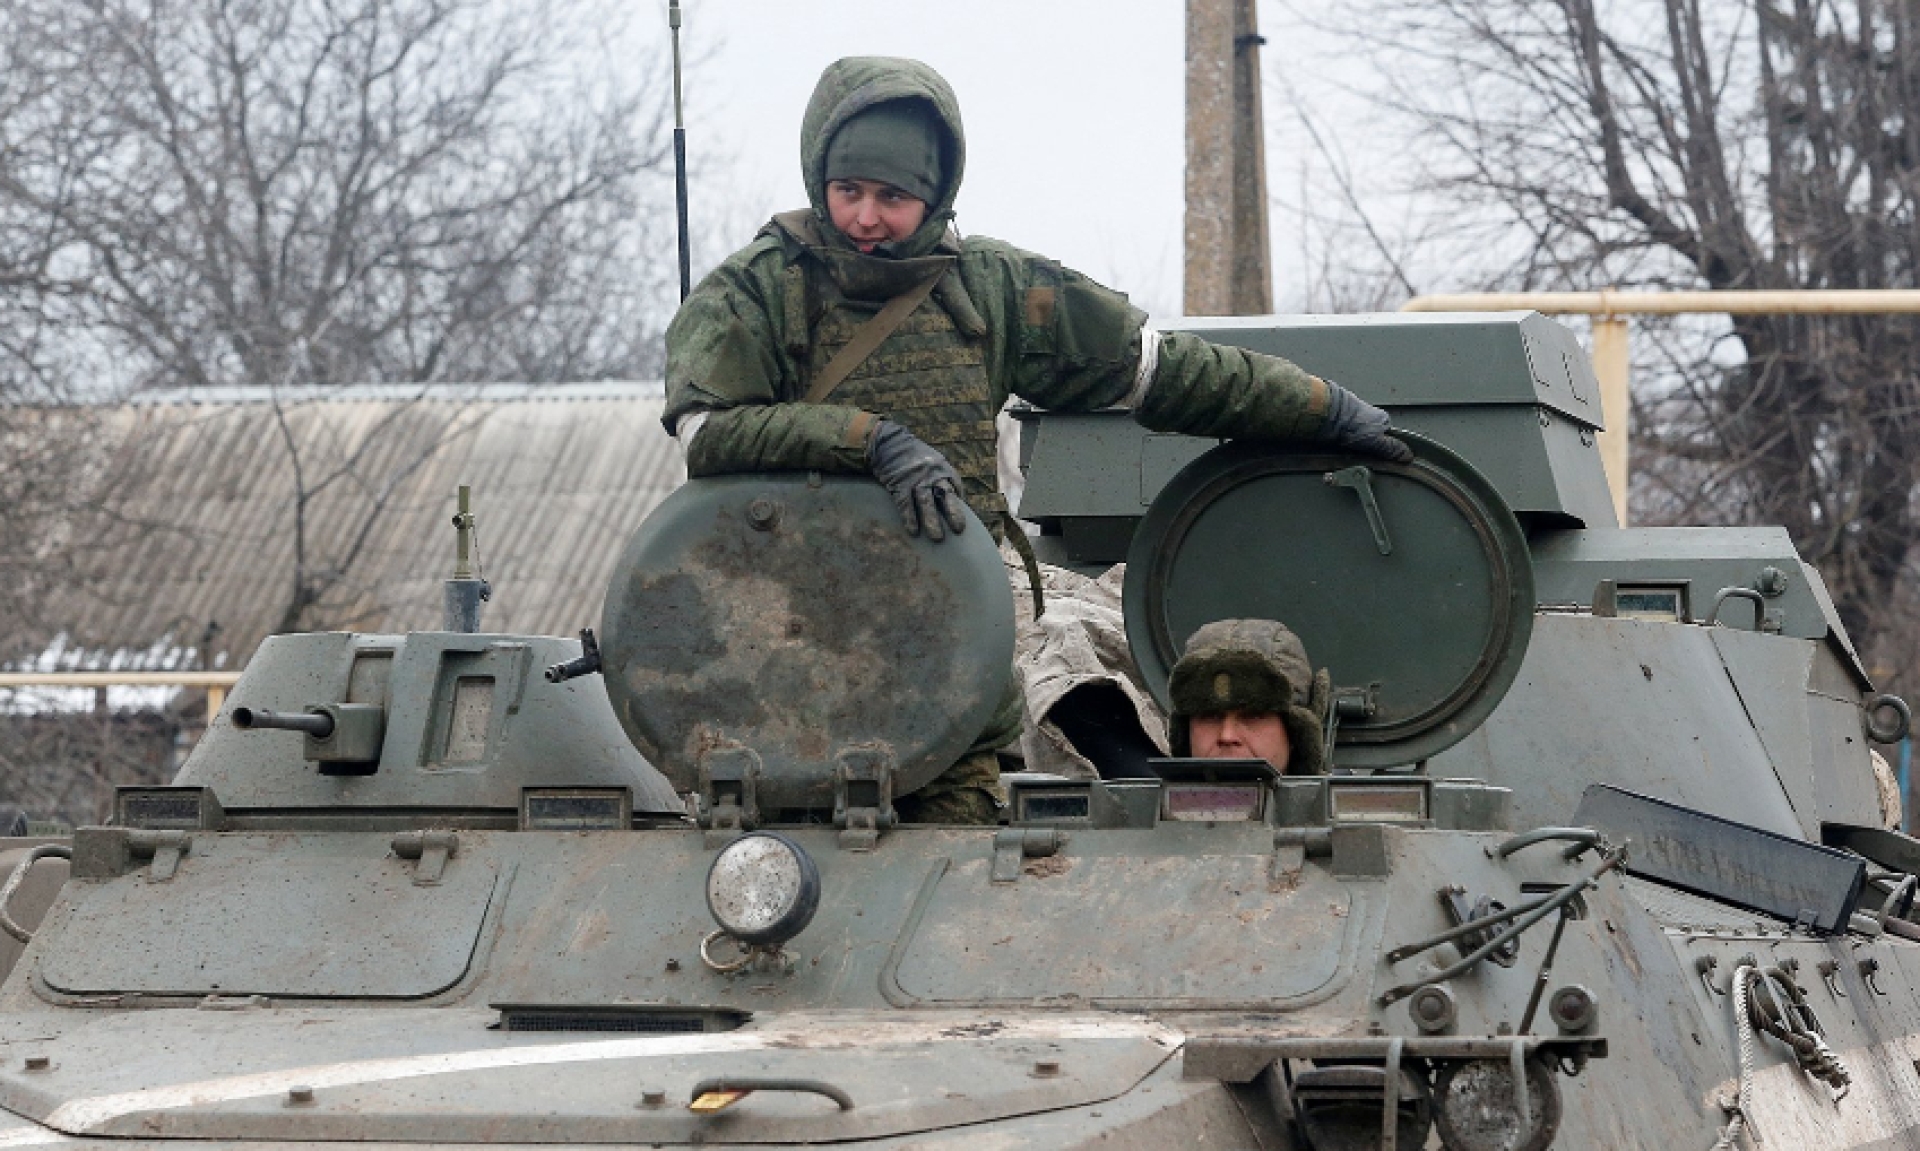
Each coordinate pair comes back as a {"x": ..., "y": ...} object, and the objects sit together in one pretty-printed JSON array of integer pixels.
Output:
[{"x": 450, "y": 727}]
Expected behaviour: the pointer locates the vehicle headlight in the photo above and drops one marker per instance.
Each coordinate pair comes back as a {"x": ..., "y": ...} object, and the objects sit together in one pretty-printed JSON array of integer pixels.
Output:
[{"x": 763, "y": 889}]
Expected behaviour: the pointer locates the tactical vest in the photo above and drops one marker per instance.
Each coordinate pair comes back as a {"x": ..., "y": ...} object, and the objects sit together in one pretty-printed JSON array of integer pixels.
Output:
[{"x": 928, "y": 376}]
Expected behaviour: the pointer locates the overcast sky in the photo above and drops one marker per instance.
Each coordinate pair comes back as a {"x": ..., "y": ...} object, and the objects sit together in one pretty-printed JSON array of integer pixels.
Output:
[{"x": 1074, "y": 114}]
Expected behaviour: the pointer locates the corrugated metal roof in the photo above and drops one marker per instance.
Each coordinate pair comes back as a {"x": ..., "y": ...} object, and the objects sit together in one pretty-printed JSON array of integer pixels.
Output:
[
  {"x": 441, "y": 392},
  {"x": 204, "y": 488}
]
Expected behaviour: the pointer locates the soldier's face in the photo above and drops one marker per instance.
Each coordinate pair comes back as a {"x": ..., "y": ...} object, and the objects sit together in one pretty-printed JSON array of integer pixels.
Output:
[
  {"x": 1241, "y": 735},
  {"x": 872, "y": 213}
]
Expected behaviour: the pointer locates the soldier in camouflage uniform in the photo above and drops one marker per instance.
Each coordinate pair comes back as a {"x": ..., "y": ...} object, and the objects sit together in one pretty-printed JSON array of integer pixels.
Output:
[
  {"x": 1249, "y": 671},
  {"x": 756, "y": 380}
]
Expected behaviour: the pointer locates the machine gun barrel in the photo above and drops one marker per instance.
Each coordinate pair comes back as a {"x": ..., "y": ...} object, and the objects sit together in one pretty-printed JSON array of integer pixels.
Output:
[
  {"x": 586, "y": 663},
  {"x": 319, "y": 725}
]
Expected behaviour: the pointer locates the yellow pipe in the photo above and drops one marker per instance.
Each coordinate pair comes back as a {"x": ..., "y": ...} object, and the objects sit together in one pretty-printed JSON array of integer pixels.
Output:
[
  {"x": 1799, "y": 302},
  {"x": 217, "y": 683},
  {"x": 1610, "y": 366}
]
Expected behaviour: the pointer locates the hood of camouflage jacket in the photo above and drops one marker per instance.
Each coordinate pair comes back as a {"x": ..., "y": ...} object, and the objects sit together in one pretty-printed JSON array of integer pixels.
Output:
[{"x": 852, "y": 85}]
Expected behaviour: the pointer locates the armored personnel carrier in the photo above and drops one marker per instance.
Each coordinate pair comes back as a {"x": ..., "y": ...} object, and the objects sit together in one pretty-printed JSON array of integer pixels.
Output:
[{"x": 1601, "y": 862}]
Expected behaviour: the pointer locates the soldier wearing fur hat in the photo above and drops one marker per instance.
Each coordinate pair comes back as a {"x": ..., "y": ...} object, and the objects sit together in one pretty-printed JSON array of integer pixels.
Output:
[{"x": 1243, "y": 689}]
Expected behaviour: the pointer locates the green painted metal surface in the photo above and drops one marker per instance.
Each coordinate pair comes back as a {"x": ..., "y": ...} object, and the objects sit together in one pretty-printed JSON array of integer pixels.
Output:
[
  {"x": 362, "y": 930},
  {"x": 1294, "y": 945},
  {"x": 793, "y": 616},
  {"x": 471, "y": 721},
  {"x": 1702, "y": 561},
  {"x": 1511, "y": 393},
  {"x": 1257, "y": 533}
]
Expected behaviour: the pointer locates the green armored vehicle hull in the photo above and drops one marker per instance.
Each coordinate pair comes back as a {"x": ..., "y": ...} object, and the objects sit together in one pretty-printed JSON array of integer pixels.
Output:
[{"x": 1601, "y": 863}]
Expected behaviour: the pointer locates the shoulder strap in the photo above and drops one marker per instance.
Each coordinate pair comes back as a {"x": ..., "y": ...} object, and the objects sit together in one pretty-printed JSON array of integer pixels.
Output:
[{"x": 871, "y": 335}]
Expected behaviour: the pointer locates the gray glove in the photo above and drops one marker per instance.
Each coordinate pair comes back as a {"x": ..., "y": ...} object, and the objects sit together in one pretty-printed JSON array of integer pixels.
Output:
[
  {"x": 923, "y": 484},
  {"x": 1358, "y": 426}
]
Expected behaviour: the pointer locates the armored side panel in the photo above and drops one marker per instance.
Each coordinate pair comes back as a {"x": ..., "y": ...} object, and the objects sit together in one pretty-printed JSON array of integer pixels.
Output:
[
  {"x": 1767, "y": 730},
  {"x": 1511, "y": 392},
  {"x": 1682, "y": 573}
]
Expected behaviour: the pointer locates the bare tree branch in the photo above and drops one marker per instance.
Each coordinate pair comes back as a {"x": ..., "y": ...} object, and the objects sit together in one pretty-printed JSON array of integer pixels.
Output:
[
  {"x": 1673, "y": 143},
  {"x": 199, "y": 193}
]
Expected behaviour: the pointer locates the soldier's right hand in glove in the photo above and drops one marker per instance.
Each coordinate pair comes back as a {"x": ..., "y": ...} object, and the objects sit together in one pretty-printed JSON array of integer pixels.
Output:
[
  {"x": 1358, "y": 426},
  {"x": 923, "y": 484}
]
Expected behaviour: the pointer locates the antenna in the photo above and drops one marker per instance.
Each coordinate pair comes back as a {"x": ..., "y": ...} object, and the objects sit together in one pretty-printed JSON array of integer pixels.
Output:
[
  {"x": 680, "y": 153},
  {"x": 461, "y": 596}
]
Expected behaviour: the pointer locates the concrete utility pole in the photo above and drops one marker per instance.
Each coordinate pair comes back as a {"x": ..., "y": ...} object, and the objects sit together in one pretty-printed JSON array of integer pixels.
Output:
[{"x": 1229, "y": 271}]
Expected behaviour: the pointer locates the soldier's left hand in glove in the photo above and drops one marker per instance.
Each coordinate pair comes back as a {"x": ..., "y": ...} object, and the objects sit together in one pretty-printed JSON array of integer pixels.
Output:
[
  {"x": 923, "y": 484},
  {"x": 1358, "y": 426}
]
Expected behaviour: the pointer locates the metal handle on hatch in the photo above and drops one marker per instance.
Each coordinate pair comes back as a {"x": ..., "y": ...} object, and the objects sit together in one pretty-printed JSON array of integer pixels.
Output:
[
  {"x": 34, "y": 855},
  {"x": 1746, "y": 593},
  {"x": 804, "y": 1086},
  {"x": 1360, "y": 479}
]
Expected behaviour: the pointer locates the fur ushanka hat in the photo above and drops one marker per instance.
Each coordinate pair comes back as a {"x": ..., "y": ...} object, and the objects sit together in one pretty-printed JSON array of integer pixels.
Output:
[{"x": 1252, "y": 665}]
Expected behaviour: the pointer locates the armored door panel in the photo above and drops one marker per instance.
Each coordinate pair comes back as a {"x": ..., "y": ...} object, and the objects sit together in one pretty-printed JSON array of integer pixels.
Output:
[
  {"x": 1123, "y": 930},
  {"x": 311, "y": 916},
  {"x": 1771, "y": 673}
]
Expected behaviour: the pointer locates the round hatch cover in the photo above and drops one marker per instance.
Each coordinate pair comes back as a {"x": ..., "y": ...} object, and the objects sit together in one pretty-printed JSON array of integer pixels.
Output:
[
  {"x": 791, "y": 615},
  {"x": 1411, "y": 583}
]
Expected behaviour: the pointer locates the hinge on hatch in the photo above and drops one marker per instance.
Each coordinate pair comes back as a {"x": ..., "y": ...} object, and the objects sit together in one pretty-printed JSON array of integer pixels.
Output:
[
  {"x": 431, "y": 848},
  {"x": 108, "y": 852},
  {"x": 862, "y": 797},
  {"x": 729, "y": 792},
  {"x": 1351, "y": 703},
  {"x": 1013, "y": 846},
  {"x": 163, "y": 847}
]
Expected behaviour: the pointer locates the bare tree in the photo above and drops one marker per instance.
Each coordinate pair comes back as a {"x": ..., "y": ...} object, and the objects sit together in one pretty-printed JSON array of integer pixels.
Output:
[
  {"x": 302, "y": 193},
  {"x": 1764, "y": 144},
  {"x": 33, "y": 496},
  {"x": 63, "y": 766},
  {"x": 363, "y": 474},
  {"x": 291, "y": 194},
  {"x": 335, "y": 190}
]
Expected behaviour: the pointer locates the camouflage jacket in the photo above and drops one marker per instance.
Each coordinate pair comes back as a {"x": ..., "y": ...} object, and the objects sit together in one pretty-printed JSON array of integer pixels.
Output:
[{"x": 739, "y": 346}]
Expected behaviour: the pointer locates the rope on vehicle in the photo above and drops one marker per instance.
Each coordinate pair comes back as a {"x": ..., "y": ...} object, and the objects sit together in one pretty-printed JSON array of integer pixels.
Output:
[
  {"x": 1809, "y": 1049},
  {"x": 1743, "y": 1027}
]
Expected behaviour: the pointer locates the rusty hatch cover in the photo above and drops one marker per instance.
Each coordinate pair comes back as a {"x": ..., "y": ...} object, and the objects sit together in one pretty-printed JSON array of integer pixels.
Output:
[
  {"x": 792, "y": 615},
  {"x": 1411, "y": 583}
]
